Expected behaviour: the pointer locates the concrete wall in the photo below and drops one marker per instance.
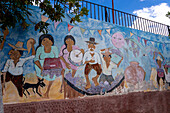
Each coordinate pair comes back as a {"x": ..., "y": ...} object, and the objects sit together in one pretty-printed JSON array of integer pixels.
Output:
[
  {"x": 131, "y": 52},
  {"x": 1, "y": 99}
]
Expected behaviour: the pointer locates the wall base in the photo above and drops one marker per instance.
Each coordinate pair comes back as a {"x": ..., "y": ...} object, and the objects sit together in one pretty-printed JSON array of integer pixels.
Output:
[{"x": 137, "y": 102}]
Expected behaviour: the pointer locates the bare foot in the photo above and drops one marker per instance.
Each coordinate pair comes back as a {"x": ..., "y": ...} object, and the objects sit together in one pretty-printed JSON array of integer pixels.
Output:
[
  {"x": 46, "y": 95},
  {"x": 61, "y": 90},
  {"x": 88, "y": 86},
  {"x": 95, "y": 81}
]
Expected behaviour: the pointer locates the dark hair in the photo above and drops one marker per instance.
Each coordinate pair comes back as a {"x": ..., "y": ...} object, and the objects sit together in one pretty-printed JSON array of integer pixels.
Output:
[
  {"x": 157, "y": 60},
  {"x": 45, "y": 36},
  {"x": 109, "y": 56},
  {"x": 68, "y": 37}
]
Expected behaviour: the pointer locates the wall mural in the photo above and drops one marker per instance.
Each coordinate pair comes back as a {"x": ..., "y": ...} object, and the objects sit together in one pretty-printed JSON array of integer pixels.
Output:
[{"x": 89, "y": 58}]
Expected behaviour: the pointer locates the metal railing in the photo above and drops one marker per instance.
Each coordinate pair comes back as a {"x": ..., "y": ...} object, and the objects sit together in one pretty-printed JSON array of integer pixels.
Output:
[{"x": 124, "y": 19}]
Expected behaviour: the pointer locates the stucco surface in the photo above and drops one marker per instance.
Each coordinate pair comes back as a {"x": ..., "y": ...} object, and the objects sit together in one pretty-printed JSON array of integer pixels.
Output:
[
  {"x": 138, "y": 102},
  {"x": 1, "y": 104}
]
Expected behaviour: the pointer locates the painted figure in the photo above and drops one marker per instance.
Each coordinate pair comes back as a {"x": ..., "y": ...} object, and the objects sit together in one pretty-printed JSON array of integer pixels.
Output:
[
  {"x": 45, "y": 49},
  {"x": 69, "y": 45},
  {"x": 167, "y": 74},
  {"x": 153, "y": 77},
  {"x": 92, "y": 61},
  {"x": 159, "y": 67},
  {"x": 13, "y": 70},
  {"x": 118, "y": 40},
  {"x": 27, "y": 86},
  {"x": 107, "y": 66}
]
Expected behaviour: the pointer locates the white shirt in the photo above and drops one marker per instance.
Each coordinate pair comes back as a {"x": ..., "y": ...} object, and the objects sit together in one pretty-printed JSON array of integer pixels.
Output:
[
  {"x": 18, "y": 69},
  {"x": 88, "y": 57},
  {"x": 105, "y": 70}
]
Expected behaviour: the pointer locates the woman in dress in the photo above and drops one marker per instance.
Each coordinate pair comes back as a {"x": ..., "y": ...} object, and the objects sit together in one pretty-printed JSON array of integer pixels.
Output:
[
  {"x": 69, "y": 45},
  {"x": 46, "y": 49}
]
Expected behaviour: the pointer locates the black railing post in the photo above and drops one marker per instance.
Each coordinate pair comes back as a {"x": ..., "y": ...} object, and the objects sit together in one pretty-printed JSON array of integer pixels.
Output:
[
  {"x": 121, "y": 18},
  {"x": 90, "y": 11},
  {"x": 94, "y": 12},
  {"x": 168, "y": 30},
  {"x": 113, "y": 12},
  {"x": 98, "y": 12},
  {"x": 102, "y": 12},
  {"x": 87, "y": 8},
  {"x": 105, "y": 14}
]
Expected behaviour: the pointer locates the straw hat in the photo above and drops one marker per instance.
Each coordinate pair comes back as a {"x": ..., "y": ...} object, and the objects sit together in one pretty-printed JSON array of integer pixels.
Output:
[
  {"x": 91, "y": 41},
  {"x": 18, "y": 46}
]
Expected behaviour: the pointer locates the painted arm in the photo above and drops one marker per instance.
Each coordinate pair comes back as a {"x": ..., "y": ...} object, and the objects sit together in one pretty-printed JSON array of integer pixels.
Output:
[
  {"x": 154, "y": 56},
  {"x": 36, "y": 59},
  {"x": 119, "y": 62},
  {"x": 84, "y": 59},
  {"x": 67, "y": 64},
  {"x": 101, "y": 56},
  {"x": 33, "y": 49},
  {"x": 6, "y": 32},
  {"x": 76, "y": 47},
  {"x": 82, "y": 50},
  {"x": 6, "y": 66},
  {"x": 161, "y": 55},
  {"x": 90, "y": 61},
  {"x": 62, "y": 58}
]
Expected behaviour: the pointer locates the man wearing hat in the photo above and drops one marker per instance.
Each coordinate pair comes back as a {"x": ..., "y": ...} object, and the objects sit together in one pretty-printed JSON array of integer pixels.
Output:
[
  {"x": 13, "y": 70},
  {"x": 107, "y": 66},
  {"x": 92, "y": 61}
]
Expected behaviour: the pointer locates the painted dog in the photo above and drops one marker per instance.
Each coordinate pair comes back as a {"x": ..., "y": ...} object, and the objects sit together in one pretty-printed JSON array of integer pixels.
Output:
[{"x": 33, "y": 86}]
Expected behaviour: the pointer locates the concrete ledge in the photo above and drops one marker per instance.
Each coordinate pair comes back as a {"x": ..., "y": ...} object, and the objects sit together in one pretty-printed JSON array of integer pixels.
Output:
[{"x": 136, "y": 102}]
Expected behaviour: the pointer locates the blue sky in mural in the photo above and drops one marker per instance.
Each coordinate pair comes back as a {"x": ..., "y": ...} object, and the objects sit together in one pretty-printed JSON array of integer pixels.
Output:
[{"x": 150, "y": 9}]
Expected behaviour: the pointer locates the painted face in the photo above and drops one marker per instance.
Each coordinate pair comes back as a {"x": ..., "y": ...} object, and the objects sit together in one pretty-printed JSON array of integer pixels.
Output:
[
  {"x": 91, "y": 47},
  {"x": 46, "y": 42},
  {"x": 118, "y": 40},
  {"x": 69, "y": 41},
  {"x": 159, "y": 62},
  {"x": 14, "y": 54},
  {"x": 107, "y": 58}
]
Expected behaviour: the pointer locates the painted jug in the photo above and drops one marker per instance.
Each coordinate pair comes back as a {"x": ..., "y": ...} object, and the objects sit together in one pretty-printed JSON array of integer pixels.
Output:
[{"x": 134, "y": 73}]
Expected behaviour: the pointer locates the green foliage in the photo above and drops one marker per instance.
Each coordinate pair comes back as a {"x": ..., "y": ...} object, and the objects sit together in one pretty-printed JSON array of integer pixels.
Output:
[
  {"x": 43, "y": 26},
  {"x": 17, "y": 11},
  {"x": 168, "y": 15},
  {"x": 12, "y": 12}
]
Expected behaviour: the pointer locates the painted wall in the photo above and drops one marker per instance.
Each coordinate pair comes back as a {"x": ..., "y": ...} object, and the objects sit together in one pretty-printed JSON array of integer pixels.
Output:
[
  {"x": 123, "y": 60},
  {"x": 1, "y": 100}
]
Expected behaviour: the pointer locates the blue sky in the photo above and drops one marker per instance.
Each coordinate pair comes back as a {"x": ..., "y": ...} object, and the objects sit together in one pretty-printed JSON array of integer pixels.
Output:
[
  {"x": 130, "y": 5},
  {"x": 151, "y": 9}
]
